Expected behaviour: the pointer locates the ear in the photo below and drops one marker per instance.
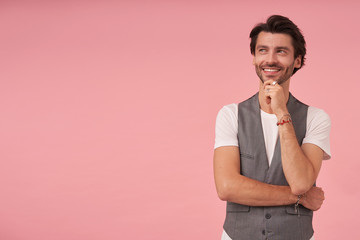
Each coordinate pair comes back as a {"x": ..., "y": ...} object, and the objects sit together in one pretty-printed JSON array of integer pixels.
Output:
[
  {"x": 253, "y": 59},
  {"x": 298, "y": 61}
]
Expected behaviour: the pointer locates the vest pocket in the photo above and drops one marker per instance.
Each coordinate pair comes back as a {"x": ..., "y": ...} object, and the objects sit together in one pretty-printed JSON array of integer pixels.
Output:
[
  {"x": 246, "y": 155},
  {"x": 247, "y": 165}
]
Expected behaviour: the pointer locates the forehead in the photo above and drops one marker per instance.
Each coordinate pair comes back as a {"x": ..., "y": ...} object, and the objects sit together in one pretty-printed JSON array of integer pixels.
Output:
[{"x": 274, "y": 40}]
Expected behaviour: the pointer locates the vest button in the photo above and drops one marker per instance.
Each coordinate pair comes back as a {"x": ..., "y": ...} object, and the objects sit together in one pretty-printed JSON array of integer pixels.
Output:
[
  {"x": 263, "y": 232},
  {"x": 268, "y": 216}
]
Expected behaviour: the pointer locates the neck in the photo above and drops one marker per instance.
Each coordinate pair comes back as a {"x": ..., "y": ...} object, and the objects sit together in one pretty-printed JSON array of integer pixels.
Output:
[{"x": 266, "y": 107}]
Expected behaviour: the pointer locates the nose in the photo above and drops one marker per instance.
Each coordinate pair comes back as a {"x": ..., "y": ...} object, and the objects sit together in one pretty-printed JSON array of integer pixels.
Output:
[{"x": 271, "y": 58}]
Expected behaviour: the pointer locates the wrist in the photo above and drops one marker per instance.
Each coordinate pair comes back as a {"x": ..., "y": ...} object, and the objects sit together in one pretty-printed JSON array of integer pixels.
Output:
[
  {"x": 281, "y": 113},
  {"x": 286, "y": 118},
  {"x": 292, "y": 198},
  {"x": 299, "y": 198},
  {"x": 302, "y": 199}
]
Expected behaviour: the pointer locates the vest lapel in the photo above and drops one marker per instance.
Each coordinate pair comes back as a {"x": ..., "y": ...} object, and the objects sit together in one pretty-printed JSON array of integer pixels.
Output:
[{"x": 259, "y": 131}]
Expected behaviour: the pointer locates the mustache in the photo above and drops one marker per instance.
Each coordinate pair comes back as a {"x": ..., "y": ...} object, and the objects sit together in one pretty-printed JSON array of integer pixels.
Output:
[{"x": 271, "y": 66}]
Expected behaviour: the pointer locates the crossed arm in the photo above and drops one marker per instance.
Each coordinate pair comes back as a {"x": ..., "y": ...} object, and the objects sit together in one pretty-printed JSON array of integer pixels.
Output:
[
  {"x": 301, "y": 165},
  {"x": 234, "y": 187}
]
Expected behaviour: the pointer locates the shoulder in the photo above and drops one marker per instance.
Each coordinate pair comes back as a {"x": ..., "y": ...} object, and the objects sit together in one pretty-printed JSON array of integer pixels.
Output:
[
  {"x": 226, "y": 126},
  {"x": 227, "y": 115},
  {"x": 318, "y": 116},
  {"x": 230, "y": 110},
  {"x": 318, "y": 130},
  {"x": 316, "y": 111}
]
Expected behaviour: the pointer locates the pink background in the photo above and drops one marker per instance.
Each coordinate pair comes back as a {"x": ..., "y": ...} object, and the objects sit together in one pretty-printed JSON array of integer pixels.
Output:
[{"x": 108, "y": 111}]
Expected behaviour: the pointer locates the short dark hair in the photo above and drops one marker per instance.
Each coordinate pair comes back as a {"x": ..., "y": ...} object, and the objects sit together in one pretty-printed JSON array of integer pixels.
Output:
[{"x": 281, "y": 24}]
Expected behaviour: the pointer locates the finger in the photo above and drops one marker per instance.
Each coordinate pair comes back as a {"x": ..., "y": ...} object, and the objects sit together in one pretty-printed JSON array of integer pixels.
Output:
[
  {"x": 268, "y": 82},
  {"x": 269, "y": 85},
  {"x": 268, "y": 93},
  {"x": 269, "y": 88}
]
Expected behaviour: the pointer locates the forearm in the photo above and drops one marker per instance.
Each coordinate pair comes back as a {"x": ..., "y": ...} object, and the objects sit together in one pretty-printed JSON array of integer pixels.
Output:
[
  {"x": 234, "y": 187},
  {"x": 298, "y": 169},
  {"x": 247, "y": 191}
]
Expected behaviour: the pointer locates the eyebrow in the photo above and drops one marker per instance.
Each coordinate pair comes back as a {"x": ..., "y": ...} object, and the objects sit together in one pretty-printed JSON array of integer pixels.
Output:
[
  {"x": 261, "y": 46},
  {"x": 282, "y": 48},
  {"x": 277, "y": 48}
]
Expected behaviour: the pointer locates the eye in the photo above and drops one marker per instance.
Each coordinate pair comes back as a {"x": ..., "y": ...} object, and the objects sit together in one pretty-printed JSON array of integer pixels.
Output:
[{"x": 281, "y": 51}]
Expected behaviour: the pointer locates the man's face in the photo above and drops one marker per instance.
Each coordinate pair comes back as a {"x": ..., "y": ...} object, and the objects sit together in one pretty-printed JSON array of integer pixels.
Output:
[{"x": 274, "y": 57}]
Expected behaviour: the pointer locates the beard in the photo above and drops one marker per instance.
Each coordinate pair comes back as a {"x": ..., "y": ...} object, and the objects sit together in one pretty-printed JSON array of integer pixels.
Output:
[{"x": 287, "y": 72}]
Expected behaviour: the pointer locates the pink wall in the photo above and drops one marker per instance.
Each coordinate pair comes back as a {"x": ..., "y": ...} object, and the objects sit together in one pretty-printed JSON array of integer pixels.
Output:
[{"x": 108, "y": 111}]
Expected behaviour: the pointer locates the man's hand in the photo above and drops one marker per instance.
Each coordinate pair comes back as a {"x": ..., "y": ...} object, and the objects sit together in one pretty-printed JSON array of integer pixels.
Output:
[
  {"x": 275, "y": 96},
  {"x": 313, "y": 199}
]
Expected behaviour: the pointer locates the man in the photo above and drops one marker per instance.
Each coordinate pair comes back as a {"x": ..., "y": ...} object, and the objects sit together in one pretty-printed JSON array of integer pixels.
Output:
[{"x": 269, "y": 148}]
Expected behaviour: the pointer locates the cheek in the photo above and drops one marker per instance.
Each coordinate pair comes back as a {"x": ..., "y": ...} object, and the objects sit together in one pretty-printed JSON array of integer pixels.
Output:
[
  {"x": 290, "y": 63},
  {"x": 256, "y": 61}
]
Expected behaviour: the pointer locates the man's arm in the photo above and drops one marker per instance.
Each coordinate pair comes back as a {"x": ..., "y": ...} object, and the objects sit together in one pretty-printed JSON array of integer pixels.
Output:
[
  {"x": 301, "y": 165},
  {"x": 232, "y": 186}
]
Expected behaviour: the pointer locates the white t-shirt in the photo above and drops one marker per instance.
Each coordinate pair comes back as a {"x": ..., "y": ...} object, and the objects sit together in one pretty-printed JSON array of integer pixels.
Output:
[
  {"x": 317, "y": 132},
  {"x": 317, "y": 129}
]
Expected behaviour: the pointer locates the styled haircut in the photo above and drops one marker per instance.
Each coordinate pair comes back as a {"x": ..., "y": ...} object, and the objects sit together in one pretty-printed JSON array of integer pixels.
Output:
[{"x": 281, "y": 24}]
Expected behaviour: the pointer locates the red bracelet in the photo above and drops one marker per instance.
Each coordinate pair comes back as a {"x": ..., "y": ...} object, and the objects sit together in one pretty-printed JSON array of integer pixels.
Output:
[{"x": 283, "y": 121}]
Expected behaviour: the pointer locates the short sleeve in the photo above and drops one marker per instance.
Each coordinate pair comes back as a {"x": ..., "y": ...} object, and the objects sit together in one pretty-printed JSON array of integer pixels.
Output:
[
  {"x": 318, "y": 130},
  {"x": 226, "y": 127}
]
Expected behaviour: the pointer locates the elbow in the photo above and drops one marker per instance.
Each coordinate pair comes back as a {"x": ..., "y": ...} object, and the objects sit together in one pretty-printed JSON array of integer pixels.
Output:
[
  {"x": 300, "y": 189},
  {"x": 223, "y": 195},
  {"x": 301, "y": 186},
  {"x": 223, "y": 191},
  {"x": 297, "y": 191}
]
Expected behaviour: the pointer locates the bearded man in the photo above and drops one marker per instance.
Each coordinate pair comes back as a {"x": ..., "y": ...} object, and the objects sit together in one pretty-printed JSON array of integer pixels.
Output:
[{"x": 269, "y": 148}]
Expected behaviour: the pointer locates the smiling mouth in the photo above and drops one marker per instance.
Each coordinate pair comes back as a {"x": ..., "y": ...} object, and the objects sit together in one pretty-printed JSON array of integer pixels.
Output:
[{"x": 271, "y": 70}]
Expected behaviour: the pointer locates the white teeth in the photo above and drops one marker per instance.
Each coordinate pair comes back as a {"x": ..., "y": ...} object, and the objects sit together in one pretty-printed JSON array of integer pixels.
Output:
[{"x": 270, "y": 70}]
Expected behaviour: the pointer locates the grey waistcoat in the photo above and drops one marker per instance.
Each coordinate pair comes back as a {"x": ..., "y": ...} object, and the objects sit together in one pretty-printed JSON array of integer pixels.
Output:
[{"x": 276, "y": 223}]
